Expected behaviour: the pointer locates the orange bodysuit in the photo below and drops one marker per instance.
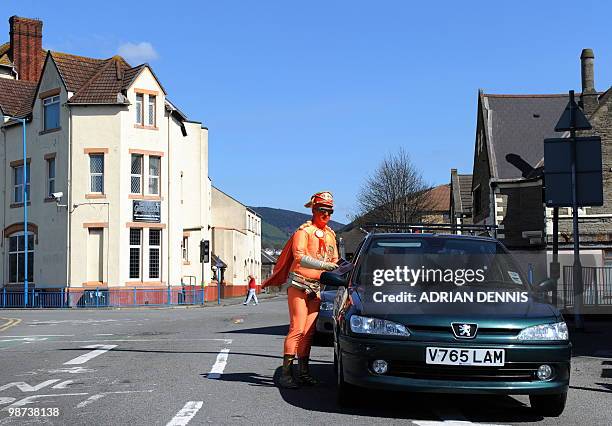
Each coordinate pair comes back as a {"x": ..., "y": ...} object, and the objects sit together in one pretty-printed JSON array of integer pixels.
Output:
[{"x": 319, "y": 244}]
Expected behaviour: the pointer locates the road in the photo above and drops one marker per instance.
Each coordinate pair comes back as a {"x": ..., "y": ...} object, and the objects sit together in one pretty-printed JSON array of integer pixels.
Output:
[{"x": 217, "y": 365}]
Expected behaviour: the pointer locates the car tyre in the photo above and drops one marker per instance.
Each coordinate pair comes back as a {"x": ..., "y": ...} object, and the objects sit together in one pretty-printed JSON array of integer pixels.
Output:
[
  {"x": 548, "y": 405},
  {"x": 345, "y": 392}
]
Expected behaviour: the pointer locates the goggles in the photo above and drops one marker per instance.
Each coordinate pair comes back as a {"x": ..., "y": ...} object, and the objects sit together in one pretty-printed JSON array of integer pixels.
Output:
[{"x": 327, "y": 210}]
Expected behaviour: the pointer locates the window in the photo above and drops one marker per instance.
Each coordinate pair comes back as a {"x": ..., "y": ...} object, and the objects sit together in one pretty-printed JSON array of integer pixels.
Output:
[
  {"x": 154, "y": 172},
  {"x": 151, "y": 115},
  {"x": 154, "y": 252},
  {"x": 135, "y": 252},
  {"x": 136, "y": 174},
  {"x": 139, "y": 108},
  {"x": 185, "y": 249},
  {"x": 96, "y": 172},
  {"x": 18, "y": 184},
  {"x": 17, "y": 257},
  {"x": 51, "y": 112},
  {"x": 50, "y": 176}
]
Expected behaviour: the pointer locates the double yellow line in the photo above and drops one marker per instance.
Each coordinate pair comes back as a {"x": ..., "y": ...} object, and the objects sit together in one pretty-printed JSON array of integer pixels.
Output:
[{"x": 10, "y": 323}]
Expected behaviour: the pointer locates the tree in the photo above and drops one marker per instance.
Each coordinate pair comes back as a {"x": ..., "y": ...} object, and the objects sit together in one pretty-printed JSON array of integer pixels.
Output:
[{"x": 396, "y": 192}]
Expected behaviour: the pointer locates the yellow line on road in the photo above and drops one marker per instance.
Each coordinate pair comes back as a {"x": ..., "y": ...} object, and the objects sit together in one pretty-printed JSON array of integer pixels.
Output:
[{"x": 11, "y": 322}]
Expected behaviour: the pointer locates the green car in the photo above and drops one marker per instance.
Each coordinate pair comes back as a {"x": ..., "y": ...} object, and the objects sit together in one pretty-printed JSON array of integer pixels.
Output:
[{"x": 446, "y": 314}]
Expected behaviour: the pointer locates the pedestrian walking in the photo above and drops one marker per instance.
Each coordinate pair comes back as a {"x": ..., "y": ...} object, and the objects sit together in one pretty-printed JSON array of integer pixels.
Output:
[
  {"x": 310, "y": 251},
  {"x": 252, "y": 293}
]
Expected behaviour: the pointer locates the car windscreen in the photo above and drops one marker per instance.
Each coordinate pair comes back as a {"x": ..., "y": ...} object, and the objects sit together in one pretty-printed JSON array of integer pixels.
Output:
[{"x": 422, "y": 262}]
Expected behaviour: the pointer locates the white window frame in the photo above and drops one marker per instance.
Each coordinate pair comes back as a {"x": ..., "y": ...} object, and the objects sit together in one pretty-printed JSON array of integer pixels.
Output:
[
  {"x": 18, "y": 187},
  {"x": 151, "y": 110},
  {"x": 139, "y": 176},
  {"x": 96, "y": 174},
  {"x": 150, "y": 256},
  {"x": 17, "y": 252},
  {"x": 51, "y": 179},
  {"x": 185, "y": 248},
  {"x": 48, "y": 102},
  {"x": 151, "y": 177},
  {"x": 139, "y": 113},
  {"x": 138, "y": 246}
]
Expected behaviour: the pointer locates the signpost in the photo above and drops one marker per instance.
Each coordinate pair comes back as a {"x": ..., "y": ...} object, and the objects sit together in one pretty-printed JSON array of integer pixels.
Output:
[{"x": 573, "y": 163}]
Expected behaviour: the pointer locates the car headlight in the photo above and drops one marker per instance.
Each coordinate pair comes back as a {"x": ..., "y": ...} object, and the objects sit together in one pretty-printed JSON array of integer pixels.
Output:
[
  {"x": 367, "y": 325},
  {"x": 327, "y": 306},
  {"x": 556, "y": 331}
]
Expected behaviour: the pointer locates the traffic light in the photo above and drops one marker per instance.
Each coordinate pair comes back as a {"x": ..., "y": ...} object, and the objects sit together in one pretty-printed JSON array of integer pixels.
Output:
[{"x": 204, "y": 251}]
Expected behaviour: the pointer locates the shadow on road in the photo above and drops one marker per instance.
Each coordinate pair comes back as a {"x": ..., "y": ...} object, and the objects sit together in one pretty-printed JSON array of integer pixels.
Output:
[
  {"x": 275, "y": 330},
  {"x": 252, "y": 379},
  {"x": 415, "y": 406}
]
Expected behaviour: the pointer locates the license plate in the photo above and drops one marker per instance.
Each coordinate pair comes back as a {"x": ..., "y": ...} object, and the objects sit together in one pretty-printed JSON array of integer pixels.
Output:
[{"x": 451, "y": 356}]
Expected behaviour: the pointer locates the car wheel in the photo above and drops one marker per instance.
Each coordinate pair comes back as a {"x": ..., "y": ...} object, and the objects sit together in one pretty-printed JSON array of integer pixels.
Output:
[
  {"x": 548, "y": 405},
  {"x": 345, "y": 392}
]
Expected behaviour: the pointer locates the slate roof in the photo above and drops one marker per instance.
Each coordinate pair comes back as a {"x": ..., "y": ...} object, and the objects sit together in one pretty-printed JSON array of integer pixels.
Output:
[
  {"x": 518, "y": 124},
  {"x": 462, "y": 192},
  {"x": 16, "y": 96}
]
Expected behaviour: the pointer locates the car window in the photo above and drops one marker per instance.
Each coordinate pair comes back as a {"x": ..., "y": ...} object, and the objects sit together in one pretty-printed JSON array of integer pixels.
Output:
[{"x": 435, "y": 260}]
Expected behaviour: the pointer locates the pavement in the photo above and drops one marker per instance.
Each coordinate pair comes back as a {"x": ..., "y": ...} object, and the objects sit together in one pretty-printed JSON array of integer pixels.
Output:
[{"x": 217, "y": 365}]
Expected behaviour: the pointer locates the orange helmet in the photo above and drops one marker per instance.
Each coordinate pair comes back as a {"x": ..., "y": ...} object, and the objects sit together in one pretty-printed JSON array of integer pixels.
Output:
[{"x": 323, "y": 198}]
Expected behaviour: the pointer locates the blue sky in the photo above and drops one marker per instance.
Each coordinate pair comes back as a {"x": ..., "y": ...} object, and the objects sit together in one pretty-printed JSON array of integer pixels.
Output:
[{"x": 311, "y": 96}]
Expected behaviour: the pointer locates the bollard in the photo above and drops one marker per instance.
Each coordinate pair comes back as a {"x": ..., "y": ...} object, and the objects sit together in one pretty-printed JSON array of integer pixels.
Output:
[
  {"x": 62, "y": 300},
  {"x": 4, "y": 297},
  {"x": 97, "y": 305},
  {"x": 169, "y": 295},
  {"x": 530, "y": 274},
  {"x": 134, "y": 296}
]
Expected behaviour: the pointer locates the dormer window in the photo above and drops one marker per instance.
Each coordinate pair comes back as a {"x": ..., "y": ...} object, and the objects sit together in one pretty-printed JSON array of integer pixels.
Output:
[
  {"x": 151, "y": 111},
  {"x": 139, "y": 109},
  {"x": 51, "y": 113}
]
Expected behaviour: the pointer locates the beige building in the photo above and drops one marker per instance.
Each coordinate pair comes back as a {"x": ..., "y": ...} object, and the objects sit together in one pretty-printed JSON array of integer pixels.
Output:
[
  {"x": 132, "y": 170},
  {"x": 236, "y": 240}
]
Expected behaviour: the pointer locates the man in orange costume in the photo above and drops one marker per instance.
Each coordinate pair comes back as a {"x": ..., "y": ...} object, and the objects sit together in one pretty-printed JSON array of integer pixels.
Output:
[{"x": 308, "y": 253}]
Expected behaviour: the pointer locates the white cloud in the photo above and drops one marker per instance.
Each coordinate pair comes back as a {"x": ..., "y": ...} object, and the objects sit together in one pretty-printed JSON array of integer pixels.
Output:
[{"x": 137, "y": 53}]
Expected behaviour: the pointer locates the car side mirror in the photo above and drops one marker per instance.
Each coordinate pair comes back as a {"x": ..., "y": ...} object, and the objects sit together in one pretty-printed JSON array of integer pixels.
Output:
[
  {"x": 546, "y": 285},
  {"x": 333, "y": 280}
]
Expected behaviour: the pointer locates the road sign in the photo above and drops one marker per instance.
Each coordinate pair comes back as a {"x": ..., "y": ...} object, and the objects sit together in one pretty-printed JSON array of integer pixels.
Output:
[
  {"x": 572, "y": 118},
  {"x": 558, "y": 172}
]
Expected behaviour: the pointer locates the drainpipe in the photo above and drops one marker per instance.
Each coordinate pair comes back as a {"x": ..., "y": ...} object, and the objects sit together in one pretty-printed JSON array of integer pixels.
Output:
[
  {"x": 69, "y": 201},
  {"x": 169, "y": 237}
]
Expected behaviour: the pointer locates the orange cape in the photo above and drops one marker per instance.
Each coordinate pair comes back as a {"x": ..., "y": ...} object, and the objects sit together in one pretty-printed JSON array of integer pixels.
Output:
[{"x": 282, "y": 267}]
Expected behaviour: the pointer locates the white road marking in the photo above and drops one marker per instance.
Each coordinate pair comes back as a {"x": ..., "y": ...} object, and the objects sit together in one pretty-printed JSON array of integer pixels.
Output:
[
  {"x": 219, "y": 365},
  {"x": 63, "y": 385},
  {"x": 24, "y": 387},
  {"x": 34, "y": 398},
  {"x": 226, "y": 341},
  {"x": 86, "y": 357},
  {"x": 71, "y": 370},
  {"x": 6, "y": 400},
  {"x": 186, "y": 414},
  {"x": 24, "y": 339},
  {"x": 98, "y": 396},
  {"x": 104, "y": 334},
  {"x": 44, "y": 335}
]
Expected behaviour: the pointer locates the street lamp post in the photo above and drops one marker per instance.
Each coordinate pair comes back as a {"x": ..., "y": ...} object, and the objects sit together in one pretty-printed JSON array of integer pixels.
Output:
[{"x": 25, "y": 208}]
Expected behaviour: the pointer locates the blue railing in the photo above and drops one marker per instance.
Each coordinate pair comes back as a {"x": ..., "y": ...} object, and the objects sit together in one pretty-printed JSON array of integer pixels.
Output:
[{"x": 100, "y": 298}]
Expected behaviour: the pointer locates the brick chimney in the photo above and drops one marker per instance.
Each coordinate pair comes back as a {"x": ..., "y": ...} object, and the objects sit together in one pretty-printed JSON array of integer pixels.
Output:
[
  {"x": 26, "y": 47},
  {"x": 589, "y": 94}
]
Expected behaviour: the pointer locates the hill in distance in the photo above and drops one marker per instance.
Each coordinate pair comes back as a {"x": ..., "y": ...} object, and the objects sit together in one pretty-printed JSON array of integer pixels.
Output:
[{"x": 277, "y": 225}]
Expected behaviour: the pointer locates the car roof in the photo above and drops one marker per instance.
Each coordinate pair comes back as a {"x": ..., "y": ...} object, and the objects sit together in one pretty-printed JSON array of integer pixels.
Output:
[{"x": 408, "y": 235}]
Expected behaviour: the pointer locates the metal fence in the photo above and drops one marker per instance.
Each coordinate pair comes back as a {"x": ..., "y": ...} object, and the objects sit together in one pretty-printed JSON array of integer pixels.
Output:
[
  {"x": 99, "y": 298},
  {"x": 597, "y": 286}
]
